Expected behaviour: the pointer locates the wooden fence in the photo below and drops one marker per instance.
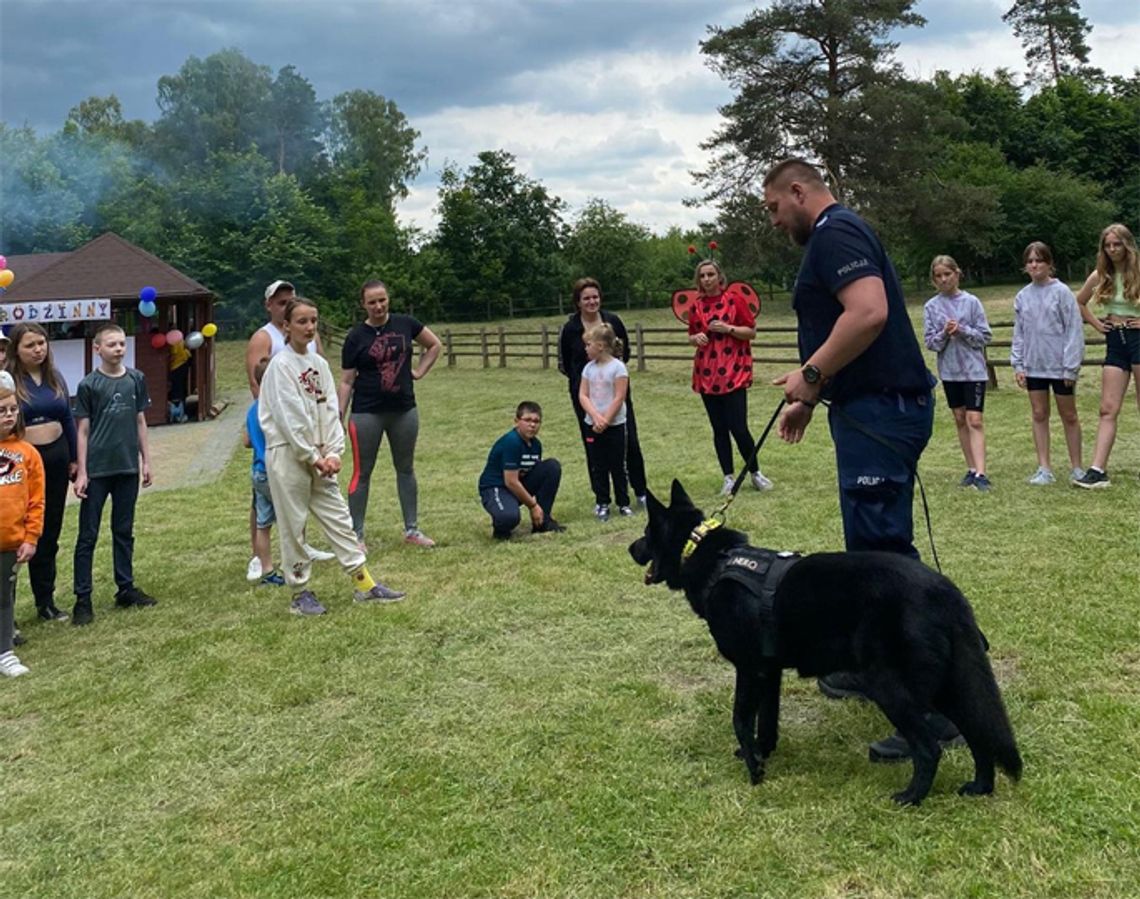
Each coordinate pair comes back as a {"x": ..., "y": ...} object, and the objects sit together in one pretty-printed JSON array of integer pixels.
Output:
[{"x": 495, "y": 347}]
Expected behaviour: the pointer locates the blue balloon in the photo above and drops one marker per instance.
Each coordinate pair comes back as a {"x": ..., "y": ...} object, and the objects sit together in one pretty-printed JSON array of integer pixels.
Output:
[
  {"x": 147, "y": 309},
  {"x": 147, "y": 295}
]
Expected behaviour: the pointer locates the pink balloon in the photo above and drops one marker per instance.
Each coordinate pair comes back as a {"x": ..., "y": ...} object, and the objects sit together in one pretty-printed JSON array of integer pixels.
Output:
[
  {"x": 173, "y": 337},
  {"x": 3, "y": 262},
  {"x": 158, "y": 341}
]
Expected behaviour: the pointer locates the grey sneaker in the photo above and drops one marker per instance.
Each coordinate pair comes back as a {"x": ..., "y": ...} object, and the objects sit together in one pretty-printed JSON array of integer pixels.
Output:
[
  {"x": 1076, "y": 474},
  {"x": 729, "y": 483},
  {"x": 305, "y": 603},
  {"x": 602, "y": 512},
  {"x": 1042, "y": 476},
  {"x": 1093, "y": 480},
  {"x": 625, "y": 510},
  {"x": 416, "y": 537},
  {"x": 379, "y": 593},
  {"x": 759, "y": 482}
]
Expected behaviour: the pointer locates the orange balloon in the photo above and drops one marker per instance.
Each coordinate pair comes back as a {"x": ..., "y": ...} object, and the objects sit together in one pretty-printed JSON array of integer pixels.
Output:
[{"x": 6, "y": 277}]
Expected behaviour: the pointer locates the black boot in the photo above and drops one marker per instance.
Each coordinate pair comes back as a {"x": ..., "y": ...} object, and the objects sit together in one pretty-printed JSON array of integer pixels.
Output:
[
  {"x": 82, "y": 613},
  {"x": 895, "y": 749}
]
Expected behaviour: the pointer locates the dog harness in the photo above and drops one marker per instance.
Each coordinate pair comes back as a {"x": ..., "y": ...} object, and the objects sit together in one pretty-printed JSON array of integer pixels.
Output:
[{"x": 759, "y": 571}]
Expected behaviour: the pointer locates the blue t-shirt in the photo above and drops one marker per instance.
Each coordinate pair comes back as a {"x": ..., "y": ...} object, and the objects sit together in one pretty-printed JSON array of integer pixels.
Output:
[
  {"x": 510, "y": 453},
  {"x": 842, "y": 249},
  {"x": 256, "y": 438}
]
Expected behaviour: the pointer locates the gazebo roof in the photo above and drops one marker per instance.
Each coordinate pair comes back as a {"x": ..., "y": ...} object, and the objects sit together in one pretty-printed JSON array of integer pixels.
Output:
[{"x": 108, "y": 266}]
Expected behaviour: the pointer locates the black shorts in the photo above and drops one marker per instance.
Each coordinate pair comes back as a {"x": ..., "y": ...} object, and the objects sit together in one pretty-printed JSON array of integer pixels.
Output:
[
  {"x": 1058, "y": 385},
  {"x": 971, "y": 394},
  {"x": 1122, "y": 348}
]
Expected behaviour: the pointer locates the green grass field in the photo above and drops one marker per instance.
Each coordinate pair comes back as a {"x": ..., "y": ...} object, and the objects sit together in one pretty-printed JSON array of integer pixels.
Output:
[{"x": 534, "y": 722}]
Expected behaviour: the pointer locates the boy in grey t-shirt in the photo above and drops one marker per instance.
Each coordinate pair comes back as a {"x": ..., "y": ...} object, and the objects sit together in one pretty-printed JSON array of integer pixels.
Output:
[{"x": 109, "y": 413}]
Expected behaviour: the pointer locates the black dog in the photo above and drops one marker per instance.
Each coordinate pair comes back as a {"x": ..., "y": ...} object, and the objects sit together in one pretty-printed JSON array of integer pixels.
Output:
[{"x": 907, "y": 631}]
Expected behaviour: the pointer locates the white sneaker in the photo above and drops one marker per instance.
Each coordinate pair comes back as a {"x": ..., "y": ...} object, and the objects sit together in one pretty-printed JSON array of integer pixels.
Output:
[
  {"x": 729, "y": 483},
  {"x": 10, "y": 666},
  {"x": 1042, "y": 476},
  {"x": 253, "y": 570},
  {"x": 418, "y": 538},
  {"x": 760, "y": 482},
  {"x": 317, "y": 555}
]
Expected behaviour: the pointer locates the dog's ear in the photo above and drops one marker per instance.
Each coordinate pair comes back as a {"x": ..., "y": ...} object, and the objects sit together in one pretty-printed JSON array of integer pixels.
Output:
[
  {"x": 653, "y": 504},
  {"x": 679, "y": 496}
]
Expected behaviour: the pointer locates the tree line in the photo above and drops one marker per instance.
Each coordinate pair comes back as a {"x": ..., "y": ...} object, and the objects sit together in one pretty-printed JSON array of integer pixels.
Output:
[{"x": 246, "y": 176}]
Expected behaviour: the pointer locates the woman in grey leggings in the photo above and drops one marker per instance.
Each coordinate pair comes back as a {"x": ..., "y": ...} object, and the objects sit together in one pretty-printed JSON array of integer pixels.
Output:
[{"x": 378, "y": 376}]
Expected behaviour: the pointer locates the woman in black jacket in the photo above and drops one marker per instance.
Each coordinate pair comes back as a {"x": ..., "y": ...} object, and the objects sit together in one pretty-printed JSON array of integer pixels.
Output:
[{"x": 572, "y": 359}]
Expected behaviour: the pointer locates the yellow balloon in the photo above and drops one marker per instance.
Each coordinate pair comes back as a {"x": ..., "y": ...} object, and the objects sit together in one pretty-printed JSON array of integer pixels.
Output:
[
  {"x": 6, "y": 277},
  {"x": 209, "y": 330}
]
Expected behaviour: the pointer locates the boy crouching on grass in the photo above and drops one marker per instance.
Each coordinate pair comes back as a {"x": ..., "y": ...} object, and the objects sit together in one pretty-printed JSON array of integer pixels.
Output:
[
  {"x": 111, "y": 424},
  {"x": 516, "y": 475}
]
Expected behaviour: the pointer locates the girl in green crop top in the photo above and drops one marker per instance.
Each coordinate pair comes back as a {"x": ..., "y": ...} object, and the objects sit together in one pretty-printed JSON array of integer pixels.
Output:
[{"x": 1115, "y": 285}]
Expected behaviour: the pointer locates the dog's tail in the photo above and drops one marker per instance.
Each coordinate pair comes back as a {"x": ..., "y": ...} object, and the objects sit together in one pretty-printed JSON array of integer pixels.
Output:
[{"x": 980, "y": 713}]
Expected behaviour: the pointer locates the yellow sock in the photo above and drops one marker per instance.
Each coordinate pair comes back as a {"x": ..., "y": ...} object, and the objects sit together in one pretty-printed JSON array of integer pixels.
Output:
[{"x": 362, "y": 579}]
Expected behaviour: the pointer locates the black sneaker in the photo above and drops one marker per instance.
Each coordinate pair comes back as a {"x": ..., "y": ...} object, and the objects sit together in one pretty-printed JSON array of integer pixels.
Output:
[
  {"x": 1093, "y": 480},
  {"x": 842, "y": 685},
  {"x": 968, "y": 480},
  {"x": 550, "y": 526},
  {"x": 18, "y": 638},
  {"x": 895, "y": 749},
  {"x": 133, "y": 596},
  {"x": 982, "y": 483},
  {"x": 51, "y": 613},
  {"x": 82, "y": 613}
]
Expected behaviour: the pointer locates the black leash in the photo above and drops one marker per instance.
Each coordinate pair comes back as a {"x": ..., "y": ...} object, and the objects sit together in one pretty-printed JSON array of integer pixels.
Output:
[{"x": 720, "y": 514}]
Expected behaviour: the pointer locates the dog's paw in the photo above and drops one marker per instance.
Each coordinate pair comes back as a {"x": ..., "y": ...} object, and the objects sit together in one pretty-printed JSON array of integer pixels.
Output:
[
  {"x": 973, "y": 788},
  {"x": 907, "y": 797}
]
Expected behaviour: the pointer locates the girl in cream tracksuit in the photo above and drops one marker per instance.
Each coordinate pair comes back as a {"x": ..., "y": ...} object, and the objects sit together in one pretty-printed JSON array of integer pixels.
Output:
[
  {"x": 303, "y": 441},
  {"x": 21, "y": 514}
]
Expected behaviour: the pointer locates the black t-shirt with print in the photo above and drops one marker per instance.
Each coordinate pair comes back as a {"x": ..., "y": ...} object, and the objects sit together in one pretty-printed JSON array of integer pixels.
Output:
[{"x": 382, "y": 358}]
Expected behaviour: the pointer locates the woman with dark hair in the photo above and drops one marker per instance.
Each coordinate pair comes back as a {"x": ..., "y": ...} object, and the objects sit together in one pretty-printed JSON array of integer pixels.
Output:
[
  {"x": 722, "y": 328},
  {"x": 572, "y": 360},
  {"x": 46, "y": 408},
  {"x": 377, "y": 373}
]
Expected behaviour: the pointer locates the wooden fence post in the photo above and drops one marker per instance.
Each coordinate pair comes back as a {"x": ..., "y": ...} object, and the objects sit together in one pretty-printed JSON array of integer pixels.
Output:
[
  {"x": 450, "y": 348},
  {"x": 502, "y": 347},
  {"x": 483, "y": 341},
  {"x": 640, "y": 348},
  {"x": 545, "y": 346}
]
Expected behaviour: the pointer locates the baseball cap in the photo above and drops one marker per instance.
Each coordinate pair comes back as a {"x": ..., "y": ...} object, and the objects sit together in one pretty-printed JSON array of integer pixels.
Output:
[{"x": 276, "y": 286}]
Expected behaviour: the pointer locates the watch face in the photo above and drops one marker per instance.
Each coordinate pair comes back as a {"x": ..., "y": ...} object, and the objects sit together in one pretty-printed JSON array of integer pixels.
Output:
[{"x": 811, "y": 374}]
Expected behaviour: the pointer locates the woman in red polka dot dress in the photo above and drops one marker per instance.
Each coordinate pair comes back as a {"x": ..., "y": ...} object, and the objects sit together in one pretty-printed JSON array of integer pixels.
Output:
[{"x": 722, "y": 327}]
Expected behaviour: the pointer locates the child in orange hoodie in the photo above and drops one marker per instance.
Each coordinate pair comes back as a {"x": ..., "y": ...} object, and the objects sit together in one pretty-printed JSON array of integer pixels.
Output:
[{"x": 21, "y": 514}]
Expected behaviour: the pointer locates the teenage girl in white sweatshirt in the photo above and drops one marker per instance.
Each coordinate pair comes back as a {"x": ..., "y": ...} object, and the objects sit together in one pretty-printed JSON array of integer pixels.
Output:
[{"x": 303, "y": 442}]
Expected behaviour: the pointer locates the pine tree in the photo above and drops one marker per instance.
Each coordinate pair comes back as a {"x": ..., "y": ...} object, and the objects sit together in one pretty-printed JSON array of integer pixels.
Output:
[{"x": 1053, "y": 35}]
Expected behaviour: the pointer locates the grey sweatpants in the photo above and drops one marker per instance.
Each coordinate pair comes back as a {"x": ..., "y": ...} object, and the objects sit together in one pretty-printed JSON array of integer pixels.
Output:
[
  {"x": 365, "y": 432},
  {"x": 7, "y": 600}
]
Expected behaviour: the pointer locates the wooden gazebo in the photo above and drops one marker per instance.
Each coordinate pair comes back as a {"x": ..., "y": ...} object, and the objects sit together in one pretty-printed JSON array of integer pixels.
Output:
[{"x": 71, "y": 293}]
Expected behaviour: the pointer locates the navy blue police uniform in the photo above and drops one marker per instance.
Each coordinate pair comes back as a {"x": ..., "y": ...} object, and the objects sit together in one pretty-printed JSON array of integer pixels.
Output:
[{"x": 885, "y": 391}]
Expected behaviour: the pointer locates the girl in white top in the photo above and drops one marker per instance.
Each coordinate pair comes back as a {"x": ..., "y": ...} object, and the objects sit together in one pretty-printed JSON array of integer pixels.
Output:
[
  {"x": 1047, "y": 349},
  {"x": 605, "y": 383},
  {"x": 304, "y": 440}
]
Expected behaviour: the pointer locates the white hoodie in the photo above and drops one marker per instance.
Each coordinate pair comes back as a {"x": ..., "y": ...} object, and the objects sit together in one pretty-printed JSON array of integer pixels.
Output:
[{"x": 298, "y": 406}]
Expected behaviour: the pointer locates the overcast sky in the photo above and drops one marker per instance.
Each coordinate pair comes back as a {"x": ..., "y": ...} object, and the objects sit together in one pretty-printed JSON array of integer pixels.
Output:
[{"x": 606, "y": 98}]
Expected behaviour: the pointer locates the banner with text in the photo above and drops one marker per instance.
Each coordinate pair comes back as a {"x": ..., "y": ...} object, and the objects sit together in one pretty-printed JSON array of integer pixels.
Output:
[{"x": 50, "y": 311}]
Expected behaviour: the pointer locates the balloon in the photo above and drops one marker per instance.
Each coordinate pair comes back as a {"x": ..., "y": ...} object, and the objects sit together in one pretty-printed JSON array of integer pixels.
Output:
[
  {"x": 147, "y": 308},
  {"x": 158, "y": 341},
  {"x": 209, "y": 330},
  {"x": 173, "y": 336},
  {"x": 6, "y": 277},
  {"x": 3, "y": 261},
  {"x": 147, "y": 294},
  {"x": 194, "y": 340}
]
